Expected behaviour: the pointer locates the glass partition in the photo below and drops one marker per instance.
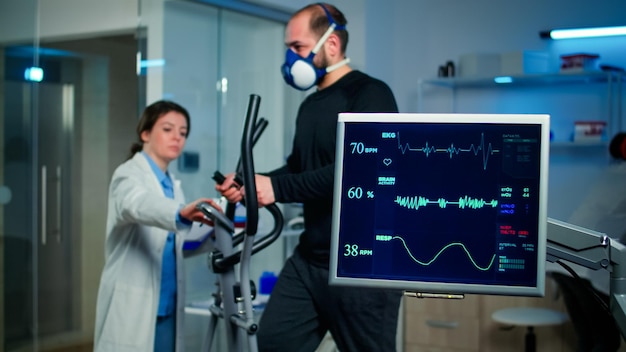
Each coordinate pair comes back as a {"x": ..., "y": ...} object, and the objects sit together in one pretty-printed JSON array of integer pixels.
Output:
[
  {"x": 214, "y": 59},
  {"x": 68, "y": 92},
  {"x": 64, "y": 129},
  {"x": 18, "y": 224}
]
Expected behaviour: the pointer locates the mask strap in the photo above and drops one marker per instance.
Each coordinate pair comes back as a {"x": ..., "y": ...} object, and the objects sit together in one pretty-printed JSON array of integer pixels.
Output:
[
  {"x": 337, "y": 65},
  {"x": 330, "y": 18},
  {"x": 320, "y": 42},
  {"x": 333, "y": 26}
]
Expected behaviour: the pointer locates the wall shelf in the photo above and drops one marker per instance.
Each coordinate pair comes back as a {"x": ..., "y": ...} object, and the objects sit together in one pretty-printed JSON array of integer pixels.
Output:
[
  {"x": 531, "y": 79},
  {"x": 597, "y": 144},
  {"x": 528, "y": 85}
]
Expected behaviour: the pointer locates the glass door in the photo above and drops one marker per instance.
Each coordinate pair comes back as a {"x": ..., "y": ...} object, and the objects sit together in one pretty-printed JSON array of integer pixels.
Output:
[
  {"x": 19, "y": 220},
  {"x": 18, "y": 195},
  {"x": 60, "y": 139},
  {"x": 37, "y": 231}
]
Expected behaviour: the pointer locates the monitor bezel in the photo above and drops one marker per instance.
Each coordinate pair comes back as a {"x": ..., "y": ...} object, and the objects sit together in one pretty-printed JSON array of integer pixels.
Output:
[{"x": 542, "y": 120}]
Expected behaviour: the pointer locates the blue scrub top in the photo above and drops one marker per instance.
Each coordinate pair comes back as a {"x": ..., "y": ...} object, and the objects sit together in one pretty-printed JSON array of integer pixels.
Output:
[{"x": 167, "y": 296}]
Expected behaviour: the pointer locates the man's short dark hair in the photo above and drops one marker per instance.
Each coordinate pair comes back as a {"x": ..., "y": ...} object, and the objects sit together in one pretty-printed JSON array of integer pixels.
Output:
[{"x": 319, "y": 21}]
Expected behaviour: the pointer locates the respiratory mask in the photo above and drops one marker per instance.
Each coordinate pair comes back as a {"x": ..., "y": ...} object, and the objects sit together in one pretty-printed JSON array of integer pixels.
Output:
[{"x": 299, "y": 72}]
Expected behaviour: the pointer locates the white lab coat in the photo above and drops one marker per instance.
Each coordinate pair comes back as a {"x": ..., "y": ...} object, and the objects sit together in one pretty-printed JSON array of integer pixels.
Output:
[{"x": 138, "y": 221}]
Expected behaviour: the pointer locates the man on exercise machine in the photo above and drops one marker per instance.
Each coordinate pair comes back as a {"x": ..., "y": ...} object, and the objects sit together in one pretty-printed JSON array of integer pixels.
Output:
[{"x": 303, "y": 306}]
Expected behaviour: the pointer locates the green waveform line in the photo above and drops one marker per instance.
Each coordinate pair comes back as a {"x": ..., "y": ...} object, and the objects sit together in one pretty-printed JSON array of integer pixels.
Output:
[
  {"x": 441, "y": 251},
  {"x": 464, "y": 202},
  {"x": 452, "y": 150}
]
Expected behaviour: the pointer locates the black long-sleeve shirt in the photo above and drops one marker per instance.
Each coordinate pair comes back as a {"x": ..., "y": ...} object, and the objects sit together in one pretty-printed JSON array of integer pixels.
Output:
[{"x": 308, "y": 176}]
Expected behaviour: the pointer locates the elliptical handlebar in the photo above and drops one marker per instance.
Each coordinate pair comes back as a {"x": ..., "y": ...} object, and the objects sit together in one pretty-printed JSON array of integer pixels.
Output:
[
  {"x": 245, "y": 172},
  {"x": 218, "y": 218},
  {"x": 221, "y": 262},
  {"x": 259, "y": 128},
  {"x": 247, "y": 163}
]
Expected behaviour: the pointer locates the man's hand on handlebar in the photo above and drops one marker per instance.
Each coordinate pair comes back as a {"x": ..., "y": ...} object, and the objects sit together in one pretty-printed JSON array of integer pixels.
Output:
[
  {"x": 234, "y": 192},
  {"x": 230, "y": 189},
  {"x": 264, "y": 190}
]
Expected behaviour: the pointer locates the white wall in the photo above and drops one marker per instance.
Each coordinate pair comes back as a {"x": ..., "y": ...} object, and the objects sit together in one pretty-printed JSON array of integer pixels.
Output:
[
  {"x": 403, "y": 41},
  {"x": 65, "y": 18},
  {"x": 427, "y": 33}
]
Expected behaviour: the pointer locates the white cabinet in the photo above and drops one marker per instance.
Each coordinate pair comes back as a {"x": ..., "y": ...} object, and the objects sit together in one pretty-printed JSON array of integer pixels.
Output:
[{"x": 566, "y": 97}]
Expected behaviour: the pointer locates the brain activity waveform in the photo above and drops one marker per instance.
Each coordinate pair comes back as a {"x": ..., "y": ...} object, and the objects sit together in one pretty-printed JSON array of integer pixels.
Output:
[
  {"x": 452, "y": 150},
  {"x": 453, "y": 244},
  {"x": 415, "y": 202}
]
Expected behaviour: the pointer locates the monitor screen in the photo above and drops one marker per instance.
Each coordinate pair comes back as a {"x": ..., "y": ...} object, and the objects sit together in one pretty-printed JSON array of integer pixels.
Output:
[{"x": 441, "y": 203}]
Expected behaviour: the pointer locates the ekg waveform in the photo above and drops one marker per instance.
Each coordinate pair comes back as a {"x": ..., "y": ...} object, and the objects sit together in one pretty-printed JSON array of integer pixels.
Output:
[
  {"x": 427, "y": 263},
  {"x": 452, "y": 150},
  {"x": 415, "y": 202}
]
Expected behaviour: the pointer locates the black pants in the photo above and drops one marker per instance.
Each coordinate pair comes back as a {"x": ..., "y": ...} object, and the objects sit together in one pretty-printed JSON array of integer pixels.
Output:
[
  {"x": 595, "y": 328},
  {"x": 303, "y": 307}
]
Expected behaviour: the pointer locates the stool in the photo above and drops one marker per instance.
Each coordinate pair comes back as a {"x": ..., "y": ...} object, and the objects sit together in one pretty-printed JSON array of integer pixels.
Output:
[{"x": 529, "y": 317}]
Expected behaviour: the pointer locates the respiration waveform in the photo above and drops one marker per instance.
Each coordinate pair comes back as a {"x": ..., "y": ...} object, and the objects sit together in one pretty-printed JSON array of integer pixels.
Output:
[
  {"x": 415, "y": 202},
  {"x": 452, "y": 150},
  {"x": 427, "y": 263}
]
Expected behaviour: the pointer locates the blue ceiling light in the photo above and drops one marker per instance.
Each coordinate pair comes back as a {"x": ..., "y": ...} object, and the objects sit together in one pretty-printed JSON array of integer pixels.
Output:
[
  {"x": 503, "y": 79},
  {"x": 143, "y": 64},
  {"x": 33, "y": 74},
  {"x": 152, "y": 63},
  {"x": 575, "y": 33}
]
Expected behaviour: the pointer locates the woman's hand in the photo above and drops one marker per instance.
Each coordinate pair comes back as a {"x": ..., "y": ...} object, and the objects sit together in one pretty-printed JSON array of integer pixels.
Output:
[{"x": 192, "y": 213}]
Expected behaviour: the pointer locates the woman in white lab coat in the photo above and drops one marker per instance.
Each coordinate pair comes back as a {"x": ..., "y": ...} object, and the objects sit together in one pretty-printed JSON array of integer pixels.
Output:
[{"x": 146, "y": 223}]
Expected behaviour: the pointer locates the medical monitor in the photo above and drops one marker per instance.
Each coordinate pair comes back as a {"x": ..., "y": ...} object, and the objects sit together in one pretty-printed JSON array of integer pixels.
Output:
[{"x": 441, "y": 203}]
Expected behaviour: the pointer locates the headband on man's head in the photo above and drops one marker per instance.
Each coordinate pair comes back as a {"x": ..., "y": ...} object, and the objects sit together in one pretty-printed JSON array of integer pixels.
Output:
[{"x": 338, "y": 27}]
